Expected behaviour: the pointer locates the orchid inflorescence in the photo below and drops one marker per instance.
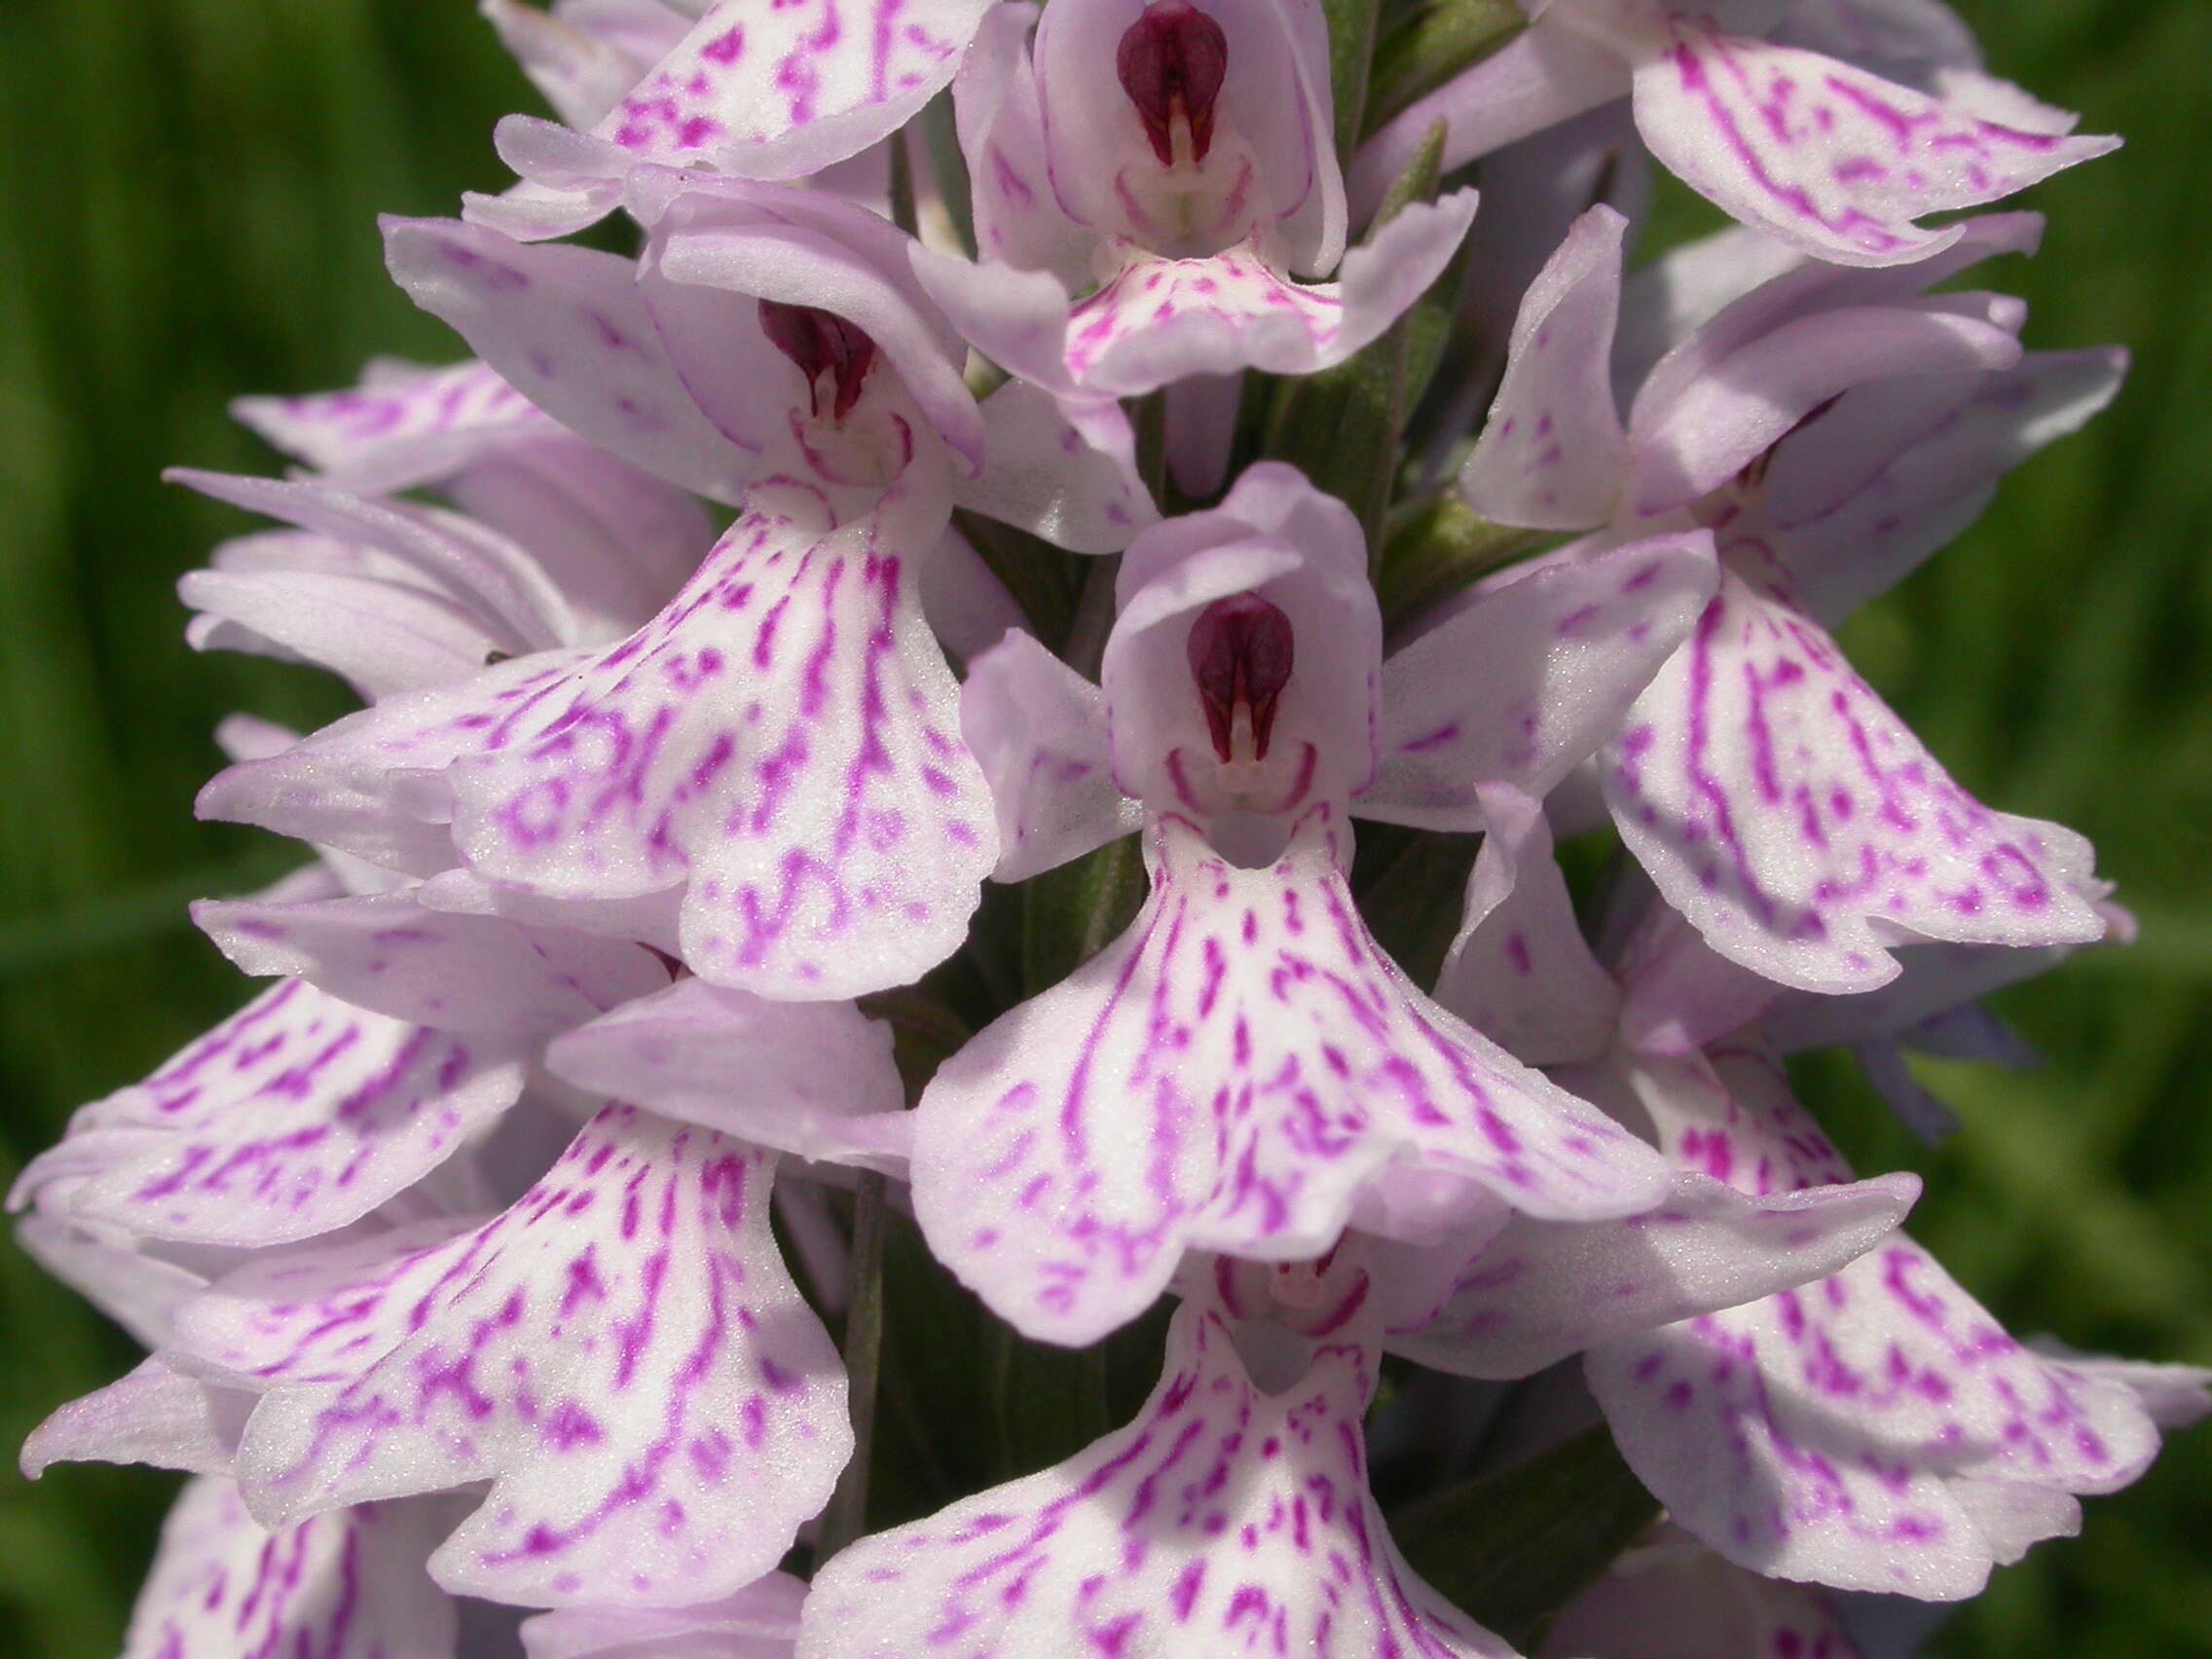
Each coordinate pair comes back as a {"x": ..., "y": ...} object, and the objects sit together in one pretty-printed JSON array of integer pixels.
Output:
[{"x": 868, "y": 700}]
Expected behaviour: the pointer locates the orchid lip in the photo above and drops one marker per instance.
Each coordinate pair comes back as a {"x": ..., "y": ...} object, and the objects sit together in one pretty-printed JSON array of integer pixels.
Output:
[
  {"x": 1241, "y": 650},
  {"x": 821, "y": 343},
  {"x": 1172, "y": 61}
]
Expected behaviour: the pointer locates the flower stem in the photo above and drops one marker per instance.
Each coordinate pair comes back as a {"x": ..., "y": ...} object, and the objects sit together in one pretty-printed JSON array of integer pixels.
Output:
[{"x": 846, "y": 1518}]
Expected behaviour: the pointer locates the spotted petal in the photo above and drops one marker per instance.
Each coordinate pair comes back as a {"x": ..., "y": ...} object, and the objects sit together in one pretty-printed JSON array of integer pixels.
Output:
[
  {"x": 780, "y": 747},
  {"x": 347, "y": 1585},
  {"x": 1225, "y": 1519},
  {"x": 779, "y": 1075},
  {"x": 296, "y": 1115},
  {"x": 1158, "y": 320},
  {"x": 622, "y": 1354},
  {"x": 1832, "y": 159},
  {"x": 569, "y": 328},
  {"x": 1797, "y": 823},
  {"x": 1877, "y": 1431},
  {"x": 782, "y": 91},
  {"x": 1039, "y": 732},
  {"x": 1553, "y": 455},
  {"x": 1564, "y": 650},
  {"x": 1239, "y": 1072},
  {"x": 402, "y": 426}
]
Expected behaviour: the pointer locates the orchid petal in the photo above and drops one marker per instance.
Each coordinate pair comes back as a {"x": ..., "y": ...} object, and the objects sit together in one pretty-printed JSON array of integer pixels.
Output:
[
  {"x": 348, "y": 1585},
  {"x": 1831, "y": 159},
  {"x": 1554, "y": 455},
  {"x": 1858, "y": 503},
  {"x": 388, "y": 953},
  {"x": 403, "y": 426},
  {"x": 582, "y": 58},
  {"x": 1876, "y": 1430},
  {"x": 1691, "y": 444},
  {"x": 1061, "y": 468},
  {"x": 1230, "y": 1075},
  {"x": 569, "y": 328},
  {"x": 782, "y": 92},
  {"x": 1525, "y": 678},
  {"x": 759, "y": 1622},
  {"x": 1018, "y": 220},
  {"x": 778, "y": 1075},
  {"x": 1224, "y": 1518},
  {"x": 1544, "y": 1290},
  {"x": 1802, "y": 829},
  {"x": 153, "y": 1415},
  {"x": 1519, "y": 971},
  {"x": 779, "y": 744},
  {"x": 296, "y": 1115},
  {"x": 622, "y": 1354},
  {"x": 1039, "y": 732}
]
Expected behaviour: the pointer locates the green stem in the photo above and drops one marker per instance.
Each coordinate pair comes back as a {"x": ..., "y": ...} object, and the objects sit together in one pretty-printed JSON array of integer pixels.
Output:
[{"x": 846, "y": 1518}]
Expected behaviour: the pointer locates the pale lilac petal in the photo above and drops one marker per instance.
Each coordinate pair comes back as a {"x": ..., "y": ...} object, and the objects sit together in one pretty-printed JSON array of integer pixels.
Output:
[
  {"x": 1685, "y": 288},
  {"x": 583, "y": 58},
  {"x": 1675, "y": 1600},
  {"x": 296, "y": 1115},
  {"x": 1230, "y": 1075},
  {"x": 622, "y": 1354},
  {"x": 968, "y": 607},
  {"x": 347, "y": 1585},
  {"x": 759, "y": 1622},
  {"x": 1933, "y": 980},
  {"x": 1782, "y": 807},
  {"x": 1866, "y": 1431},
  {"x": 1039, "y": 732},
  {"x": 1542, "y": 77},
  {"x": 1019, "y": 219},
  {"x": 1519, "y": 971},
  {"x": 1523, "y": 678},
  {"x": 1224, "y": 1518},
  {"x": 475, "y": 569},
  {"x": 380, "y": 637},
  {"x": 1200, "y": 417},
  {"x": 1016, "y": 318},
  {"x": 1544, "y": 1290},
  {"x": 1911, "y": 41},
  {"x": 388, "y": 952},
  {"x": 2177, "y": 1396},
  {"x": 139, "y": 1292},
  {"x": 572, "y": 181},
  {"x": 1831, "y": 159},
  {"x": 404, "y": 425},
  {"x": 1061, "y": 468},
  {"x": 1554, "y": 455},
  {"x": 1747, "y": 401},
  {"x": 1679, "y": 993},
  {"x": 153, "y": 1415},
  {"x": 371, "y": 784},
  {"x": 778, "y": 1075},
  {"x": 569, "y": 328},
  {"x": 780, "y": 745},
  {"x": 783, "y": 91},
  {"x": 1856, "y": 502}
]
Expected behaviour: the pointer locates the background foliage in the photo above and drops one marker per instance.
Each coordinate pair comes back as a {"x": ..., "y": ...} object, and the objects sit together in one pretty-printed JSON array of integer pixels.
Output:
[{"x": 187, "y": 192}]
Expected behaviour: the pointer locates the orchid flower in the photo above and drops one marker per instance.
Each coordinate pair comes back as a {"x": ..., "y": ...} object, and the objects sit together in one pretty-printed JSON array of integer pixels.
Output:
[
  {"x": 1809, "y": 147},
  {"x": 749, "y": 91},
  {"x": 1832, "y": 426},
  {"x": 1873, "y": 1430},
  {"x": 1233, "y": 1514},
  {"x": 1290, "y": 1078},
  {"x": 1151, "y": 182}
]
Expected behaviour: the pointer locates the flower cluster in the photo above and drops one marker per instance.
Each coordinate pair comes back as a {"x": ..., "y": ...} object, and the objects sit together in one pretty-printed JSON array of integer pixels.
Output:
[{"x": 867, "y": 699}]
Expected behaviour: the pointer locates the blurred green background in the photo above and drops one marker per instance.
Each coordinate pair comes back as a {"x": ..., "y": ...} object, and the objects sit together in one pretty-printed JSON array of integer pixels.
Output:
[{"x": 187, "y": 201}]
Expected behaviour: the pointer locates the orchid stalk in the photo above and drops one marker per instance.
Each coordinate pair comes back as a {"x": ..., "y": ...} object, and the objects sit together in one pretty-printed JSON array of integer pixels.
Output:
[{"x": 931, "y": 1008}]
